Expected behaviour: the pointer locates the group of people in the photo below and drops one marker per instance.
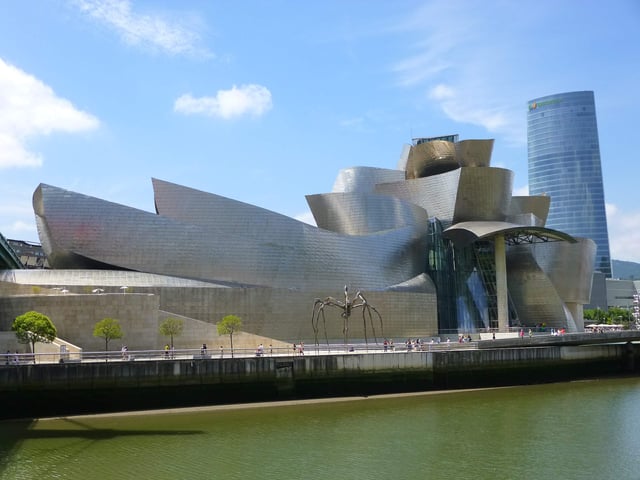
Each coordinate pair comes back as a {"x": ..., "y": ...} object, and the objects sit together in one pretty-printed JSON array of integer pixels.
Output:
[
  {"x": 521, "y": 333},
  {"x": 414, "y": 345}
]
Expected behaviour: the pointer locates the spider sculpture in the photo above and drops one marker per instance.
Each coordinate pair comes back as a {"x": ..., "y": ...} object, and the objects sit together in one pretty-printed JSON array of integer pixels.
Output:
[{"x": 347, "y": 306}]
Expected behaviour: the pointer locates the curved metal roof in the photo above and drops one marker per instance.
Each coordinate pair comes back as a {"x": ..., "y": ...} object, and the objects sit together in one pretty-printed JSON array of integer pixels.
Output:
[{"x": 464, "y": 233}]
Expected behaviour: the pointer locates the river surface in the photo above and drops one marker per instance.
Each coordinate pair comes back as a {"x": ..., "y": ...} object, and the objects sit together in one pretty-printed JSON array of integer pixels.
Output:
[{"x": 578, "y": 430}]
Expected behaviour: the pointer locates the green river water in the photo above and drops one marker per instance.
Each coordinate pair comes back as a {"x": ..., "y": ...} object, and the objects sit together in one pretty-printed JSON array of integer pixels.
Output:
[{"x": 578, "y": 430}]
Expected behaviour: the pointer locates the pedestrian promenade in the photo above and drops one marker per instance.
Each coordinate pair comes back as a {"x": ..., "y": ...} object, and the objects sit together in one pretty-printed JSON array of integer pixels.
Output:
[
  {"x": 436, "y": 344},
  {"x": 197, "y": 354}
]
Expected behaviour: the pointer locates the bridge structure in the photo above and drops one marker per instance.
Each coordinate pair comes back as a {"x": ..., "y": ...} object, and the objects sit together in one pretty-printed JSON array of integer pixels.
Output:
[
  {"x": 567, "y": 339},
  {"x": 8, "y": 258}
]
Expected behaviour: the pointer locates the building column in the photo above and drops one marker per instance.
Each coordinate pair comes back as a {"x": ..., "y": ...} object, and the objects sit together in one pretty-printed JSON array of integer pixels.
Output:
[
  {"x": 500, "y": 252},
  {"x": 577, "y": 312}
]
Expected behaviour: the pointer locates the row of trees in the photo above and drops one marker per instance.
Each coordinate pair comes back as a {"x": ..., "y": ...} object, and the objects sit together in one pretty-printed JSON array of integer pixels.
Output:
[
  {"x": 34, "y": 327},
  {"x": 110, "y": 329},
  {"x": 612, "y": 316}
]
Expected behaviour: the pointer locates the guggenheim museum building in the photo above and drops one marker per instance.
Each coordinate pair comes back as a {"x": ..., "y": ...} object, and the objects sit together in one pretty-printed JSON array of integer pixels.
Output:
[{"x": 438, "y": 245}]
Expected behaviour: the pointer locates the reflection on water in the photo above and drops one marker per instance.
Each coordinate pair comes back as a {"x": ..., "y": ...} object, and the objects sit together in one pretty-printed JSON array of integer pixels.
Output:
[{"x": 561, "y": 431}]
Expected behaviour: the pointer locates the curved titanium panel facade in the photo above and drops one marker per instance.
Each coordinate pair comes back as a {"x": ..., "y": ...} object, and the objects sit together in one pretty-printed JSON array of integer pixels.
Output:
[
  {"x": 462, "y": 194},
  {"x": 379, "y": 233},
  {"x": 364, "y": 179},
  {"x": 564, "y": 163},
  {"x": 535, "y": 205},
  {"x": 271, "y": 250},
  {"x": 532, "y": 292},
  {"x": 436, "y": 194},
  {"x": 362, "y": 213},
  {"x": 569, "y": 266},
  {"x": 431, "y": 158},
  {"x": 474, "y": 153},
  {"x": 484, "y": 194}
]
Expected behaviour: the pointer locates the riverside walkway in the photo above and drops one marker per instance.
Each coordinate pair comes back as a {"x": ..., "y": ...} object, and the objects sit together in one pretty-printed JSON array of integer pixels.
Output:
[
  {"x": 224, "y": 353},
  {"x": 536, "y": 340},
  {"x": 90, "y": 382},
  {"x": 567, "y": 339}
]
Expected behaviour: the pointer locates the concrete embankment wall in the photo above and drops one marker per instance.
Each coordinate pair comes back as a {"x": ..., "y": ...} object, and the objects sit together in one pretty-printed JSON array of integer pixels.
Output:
[{"x": 71, "y": 388}]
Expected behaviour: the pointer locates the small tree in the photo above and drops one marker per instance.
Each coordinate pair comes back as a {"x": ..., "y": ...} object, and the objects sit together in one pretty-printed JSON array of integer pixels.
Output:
[
  {"x": 107, "y": 328},
  {"x": 171, "y": 327},
  {"x": 33, "y": 327},
  {"x": 228, "y": 325}
]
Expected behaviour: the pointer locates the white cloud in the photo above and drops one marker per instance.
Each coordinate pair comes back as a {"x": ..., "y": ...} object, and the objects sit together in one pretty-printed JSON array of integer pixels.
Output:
[
  {"x": 145, "y": 30},
  {"x": 611, "y": 209},
  {"x": 465, "y": 65},
  {"x": 29, "y": 108},
  {"x": 20, "y": 230},
  {"x": 521, "y": 191},
  {"x": 20, "y": 226},
  {"x": 494, "y": 119},
  {"x": 442, "y": 92},
  {"x": 624, "y": 233},
  {"x": 246, "y": 100}
]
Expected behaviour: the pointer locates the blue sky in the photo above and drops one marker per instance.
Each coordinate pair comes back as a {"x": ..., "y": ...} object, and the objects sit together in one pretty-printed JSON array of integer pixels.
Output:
[{"x": 265, "y": 101}]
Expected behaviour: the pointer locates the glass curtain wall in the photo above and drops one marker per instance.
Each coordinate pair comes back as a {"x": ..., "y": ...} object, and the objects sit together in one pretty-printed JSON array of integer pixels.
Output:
[
  {"x": 464, "y": 304},
  {"x": 564, "y": 163}
]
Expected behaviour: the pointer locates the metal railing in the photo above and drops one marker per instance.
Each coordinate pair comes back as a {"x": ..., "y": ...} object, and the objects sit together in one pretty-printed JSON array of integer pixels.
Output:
[{"x": 226, "y": 353}]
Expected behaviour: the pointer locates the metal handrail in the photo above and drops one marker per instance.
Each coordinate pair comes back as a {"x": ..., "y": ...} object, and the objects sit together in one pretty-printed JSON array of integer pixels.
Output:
[{"x": 225, "y": 353}]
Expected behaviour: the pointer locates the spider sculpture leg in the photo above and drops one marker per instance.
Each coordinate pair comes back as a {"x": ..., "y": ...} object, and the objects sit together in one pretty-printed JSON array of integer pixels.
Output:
[
  {"x": 318, "y": 311},
  {"x": 379, "y": 319},
  {"x": 369, "y": 311},
  {"x": 324, "y": 325},
  {"x": 345, "y": 326},
  {"x": 366, "y": 313},
  {"x": 315, "y": 314}
]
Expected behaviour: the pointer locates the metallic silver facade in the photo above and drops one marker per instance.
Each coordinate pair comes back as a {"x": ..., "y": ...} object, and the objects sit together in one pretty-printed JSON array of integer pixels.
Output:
[
  {"x": 270, "y": 250},
  {"x": 436, "y": 195},
  {"x": 387, "y": 232},
  {"x": 364, "y": 179},
  {"x": 535, "y": 205},
  {"x": 474, "y": 153},
  {"x": 431, "y": 158},
  {"x": 362, "y": 213},
  {"x": 537, "y": 300},
  {"x": 459, "y": 195},
  {"x": 548, "y": 278},
  {"x": 484, "y": 194},
  {"x": 569, "y": 267}
]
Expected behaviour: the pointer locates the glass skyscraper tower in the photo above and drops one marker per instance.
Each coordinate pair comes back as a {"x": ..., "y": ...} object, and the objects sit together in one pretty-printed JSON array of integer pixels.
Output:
[{"x": 564, "y": 163}]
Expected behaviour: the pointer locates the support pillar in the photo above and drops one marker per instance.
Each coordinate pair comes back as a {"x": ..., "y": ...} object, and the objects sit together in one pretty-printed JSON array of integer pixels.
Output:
[
  {"x": 500, "y": 252},
  {"x": 577, "y": 312}
]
